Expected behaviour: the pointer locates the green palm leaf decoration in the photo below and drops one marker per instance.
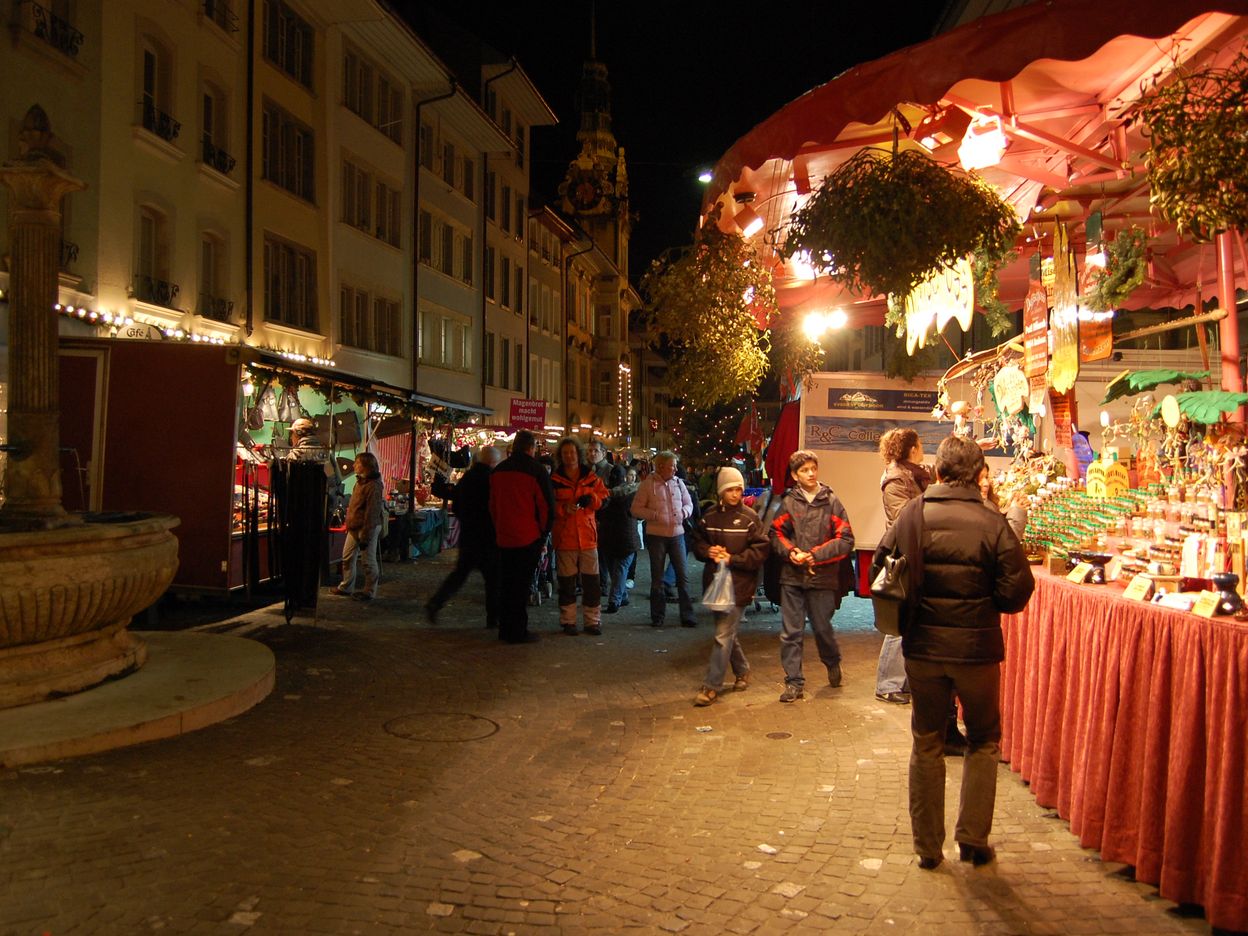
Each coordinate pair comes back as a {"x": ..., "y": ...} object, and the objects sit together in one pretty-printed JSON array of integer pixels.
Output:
[
  {"x": 1207, "y": 406},
  {"x": 1131, "y": 382}
]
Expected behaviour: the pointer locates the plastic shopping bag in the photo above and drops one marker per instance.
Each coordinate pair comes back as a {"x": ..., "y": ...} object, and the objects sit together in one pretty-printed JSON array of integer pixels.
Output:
[{"x": 719, "y": 595}]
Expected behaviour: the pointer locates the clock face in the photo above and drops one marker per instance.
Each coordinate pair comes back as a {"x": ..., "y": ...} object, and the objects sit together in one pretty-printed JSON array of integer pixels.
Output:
[{"x": 586, "y": 193}]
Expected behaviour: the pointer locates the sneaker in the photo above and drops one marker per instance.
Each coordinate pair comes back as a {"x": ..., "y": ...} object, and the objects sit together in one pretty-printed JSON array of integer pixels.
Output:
[
  {"x": 624, "y": 601},
  {"x": 340, "y": 592},
  {"x": 362, "y": 596},
  {"x": 930, "y": 864},
  {"x": 593, "y": 630},
  {"x": 791, "y": 693},
  {"x": 548, "y": 590},
  {"x": 897, "y": 698},
  {"x": 535, "y": 600},
  {"x": 834, "y": 675},
  {"x": 690, "y": 622},
  {"x": 705, "y": 696},
  {"x": 978, "y": 855},
  {"x": 629, "y": 583},
  {"x": 569, "y": 629},
  {"x": 742, "y": 682},
  {"x": 611, "y": 608}
]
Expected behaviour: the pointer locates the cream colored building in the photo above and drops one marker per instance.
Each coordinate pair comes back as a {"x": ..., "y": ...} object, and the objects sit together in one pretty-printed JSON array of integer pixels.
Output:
[
  {"x": 280, "y": 208},
  {"x": 551, "y": 240}
]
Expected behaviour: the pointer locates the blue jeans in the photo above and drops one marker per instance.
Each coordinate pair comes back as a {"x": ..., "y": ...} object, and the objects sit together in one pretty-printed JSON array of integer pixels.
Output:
[
  {"x": 669, "y": 574},
  {"x": 796, "y": 604},
  {"x": 661, "y": 548},
  {"x": 727, "y": 650},
  {"x": 616, "y": 574},
  {"x": 890, "y": 673}
]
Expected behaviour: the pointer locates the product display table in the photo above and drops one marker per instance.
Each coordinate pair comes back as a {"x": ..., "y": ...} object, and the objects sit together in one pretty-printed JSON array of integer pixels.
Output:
[{"x": 1132, "y": 720}]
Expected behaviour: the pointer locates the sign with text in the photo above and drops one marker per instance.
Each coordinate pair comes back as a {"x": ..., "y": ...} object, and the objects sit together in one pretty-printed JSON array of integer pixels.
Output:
[{"x": 528, "y": 414}]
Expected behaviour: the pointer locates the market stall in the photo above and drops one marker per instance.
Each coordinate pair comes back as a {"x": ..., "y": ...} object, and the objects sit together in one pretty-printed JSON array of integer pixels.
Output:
[{"x": 1128, "y": 719}]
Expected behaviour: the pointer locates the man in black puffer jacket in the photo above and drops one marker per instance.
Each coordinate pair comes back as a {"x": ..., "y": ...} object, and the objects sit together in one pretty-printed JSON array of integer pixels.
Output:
[{"x": 974, "y": 570}]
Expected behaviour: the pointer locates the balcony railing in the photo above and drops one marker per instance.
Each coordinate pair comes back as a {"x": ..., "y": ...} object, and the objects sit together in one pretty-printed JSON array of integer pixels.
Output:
[
  {"x": 160, "y": 123},
  {"x": 220, "y": 13},
  {"x": 155, "y": 291},
  {"x": 53, "y": 30},
  {"x": 69, "y": 253},
  {"x": 218, "y": 158},
  {"x": 215, "y": 308}
]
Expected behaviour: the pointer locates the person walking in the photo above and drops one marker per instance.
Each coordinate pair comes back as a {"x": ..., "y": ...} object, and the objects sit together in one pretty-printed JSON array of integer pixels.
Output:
[
  {"x": 663, "y": 502},
  {"x": 618, "y": 541},
  {"x": 811, "y": 532},
  {"x": 522, "y": 504},
  {"x": 579, "y": 492},
  {"x": 971, "y": 571},
  {"x": 734, "y": 534},
  {"x": 904, "y": 478},
  {"x": 470, "y": 503},
  {"x": 366, "y": 513}
]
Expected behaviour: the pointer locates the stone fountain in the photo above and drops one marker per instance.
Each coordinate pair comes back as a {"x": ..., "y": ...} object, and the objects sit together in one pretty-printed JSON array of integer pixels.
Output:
[{"x": 68, "y": 587}]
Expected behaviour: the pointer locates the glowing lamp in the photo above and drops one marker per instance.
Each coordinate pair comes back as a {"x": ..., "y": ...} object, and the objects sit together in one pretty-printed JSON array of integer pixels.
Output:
[
  {"x": 983, "y": 145},
  {"x": 749, "y": 221}
]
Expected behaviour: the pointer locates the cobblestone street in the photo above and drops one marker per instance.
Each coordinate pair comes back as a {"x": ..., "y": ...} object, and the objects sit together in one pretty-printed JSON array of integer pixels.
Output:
[{"x": 404, "y": 777}]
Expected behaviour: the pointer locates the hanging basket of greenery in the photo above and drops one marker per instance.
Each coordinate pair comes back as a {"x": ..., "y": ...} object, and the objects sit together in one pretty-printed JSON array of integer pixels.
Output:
[
  {"x": 1197, "y": 130},
  {"x": 1126, "y": 262},
  {"x": 884, "y": 222}
]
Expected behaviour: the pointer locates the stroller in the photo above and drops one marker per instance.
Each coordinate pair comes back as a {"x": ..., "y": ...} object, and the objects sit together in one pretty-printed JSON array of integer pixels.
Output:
[{"x": 543, "y": 584}]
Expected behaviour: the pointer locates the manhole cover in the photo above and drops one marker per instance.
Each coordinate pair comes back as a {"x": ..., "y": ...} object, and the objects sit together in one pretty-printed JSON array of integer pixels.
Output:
[
  {"x": 441, "y": 726},
  {"x": 779, "y": 735}
]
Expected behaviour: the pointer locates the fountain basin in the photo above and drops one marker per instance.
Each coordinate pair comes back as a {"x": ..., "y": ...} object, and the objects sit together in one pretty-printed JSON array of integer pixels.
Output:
[{"x": 66, "y": 598}]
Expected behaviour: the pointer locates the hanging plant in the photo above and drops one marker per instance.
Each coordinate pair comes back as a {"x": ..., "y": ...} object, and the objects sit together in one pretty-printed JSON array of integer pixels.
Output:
[
  {"x": 1126, "y": 262},
  {"x": 1196, "y": 125},
  {"x": 884, "y": 222},
  {"x": 715, "y": 303},
  {"x": 985, "y": 267}
]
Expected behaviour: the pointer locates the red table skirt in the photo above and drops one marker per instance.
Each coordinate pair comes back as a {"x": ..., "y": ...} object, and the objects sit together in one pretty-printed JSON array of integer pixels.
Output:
[{"x": 1132, "y": 720}]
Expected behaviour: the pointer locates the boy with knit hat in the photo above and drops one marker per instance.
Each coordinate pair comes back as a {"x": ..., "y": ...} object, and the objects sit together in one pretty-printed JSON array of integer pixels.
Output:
[{"x": 734, "y": 534}]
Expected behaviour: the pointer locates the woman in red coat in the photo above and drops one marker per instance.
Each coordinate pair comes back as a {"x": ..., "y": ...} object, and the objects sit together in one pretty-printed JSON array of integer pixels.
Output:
[{"x": 579, "y": 492}]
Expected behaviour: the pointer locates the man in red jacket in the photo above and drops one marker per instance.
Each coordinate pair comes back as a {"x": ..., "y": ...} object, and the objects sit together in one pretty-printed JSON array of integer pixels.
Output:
[{"x": 522, "y": 503}]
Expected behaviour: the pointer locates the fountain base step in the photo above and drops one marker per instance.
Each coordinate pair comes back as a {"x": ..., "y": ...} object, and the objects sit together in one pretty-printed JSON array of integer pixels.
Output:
[{"x": 190, "y": 681}]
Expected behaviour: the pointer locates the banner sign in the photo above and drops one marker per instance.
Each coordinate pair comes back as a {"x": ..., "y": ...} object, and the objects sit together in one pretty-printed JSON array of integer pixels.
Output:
[
  {"x": 897, "y": 401},
  {"x": 528, "y": 414},
  {"x": 862, "y": 434},
  {"x": 1065, "y": 322}
]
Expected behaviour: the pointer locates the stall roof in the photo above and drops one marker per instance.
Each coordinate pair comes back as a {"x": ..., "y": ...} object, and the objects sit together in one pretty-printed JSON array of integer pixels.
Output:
[{"x": 1060, "y": 74}]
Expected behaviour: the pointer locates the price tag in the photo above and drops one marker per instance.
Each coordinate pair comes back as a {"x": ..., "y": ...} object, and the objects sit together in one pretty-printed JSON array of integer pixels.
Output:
[
  {"x": 1234, "y": 525},
  {"x": 1140, "y": 589},
  {"x": 1207, "y": 604},
  {"x": 1079, "y": 574}
]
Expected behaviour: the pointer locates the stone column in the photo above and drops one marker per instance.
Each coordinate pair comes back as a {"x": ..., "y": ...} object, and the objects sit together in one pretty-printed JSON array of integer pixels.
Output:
[{"x": 37, "y": 181}]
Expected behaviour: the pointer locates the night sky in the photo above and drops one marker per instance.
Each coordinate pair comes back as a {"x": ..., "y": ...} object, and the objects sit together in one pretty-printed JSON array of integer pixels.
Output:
[{"x": 688, "y": 79}]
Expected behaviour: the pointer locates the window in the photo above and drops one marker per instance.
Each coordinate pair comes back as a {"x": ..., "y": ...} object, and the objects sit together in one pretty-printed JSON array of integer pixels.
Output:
[
  {"x": 448, "y": 164},
  {"x": 519, "y": 385},
  {"x": 389, "y": 108},
  {"x": 505, "y": 198},
  {"x": 604, "y": 395},
  {"x": 488, "y": 272},
  {"x": 520, "y": 217},
  {"x": 357, "y": 85},
  {"x": 387, "y": 327},
  {"x": 288, "y": 41},
  {"x": 546, "y": 390},
  {"x": 389, "y": 214},
  {"x": 505, "y": 376},
  {"x": 506, "y": 122},
  {"x": 519, "y": 144},
  {"x": 347, "y": 331},
  {"x": 468, "y": 181},
  {"x": 535, "y": 308},
  {"x": 491, "y": 103},
  {"x": 505, "y": 299},
  {"x": 155, "y": 90},
  {"x": 465, "y": 260},
  {"x": 426, "y": 146},
  {"x": 446, "y": 257},
  {"x": 487, "y": 362},
  {"x": 286, "y": 148},
  {"x": 556, "y": 379},
  {"x": 604, "y": 321},
  {"x": 212, "y": 279},
  {"x": 357, "y": 196},
  {"x": 491, "y": 206},
  {"x": 152, "y": 244},
  {"x": 215, "y": 127},
  {"x": 519, "y": 289},
  {"x": 426, "y": 237},
  {"x": 289, "y": 284}
]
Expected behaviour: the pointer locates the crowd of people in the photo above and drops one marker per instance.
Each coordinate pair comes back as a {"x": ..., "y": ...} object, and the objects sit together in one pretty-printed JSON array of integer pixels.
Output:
[{"x": 575, "y": 520}]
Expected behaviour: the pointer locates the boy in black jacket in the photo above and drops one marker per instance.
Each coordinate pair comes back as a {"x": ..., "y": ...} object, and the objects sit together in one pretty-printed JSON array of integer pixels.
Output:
[{"x": 729, "y": 532}]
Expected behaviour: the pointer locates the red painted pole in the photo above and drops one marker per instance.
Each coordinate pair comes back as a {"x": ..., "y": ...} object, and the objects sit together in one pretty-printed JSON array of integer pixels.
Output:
[{"x": 1228, "y": 328}]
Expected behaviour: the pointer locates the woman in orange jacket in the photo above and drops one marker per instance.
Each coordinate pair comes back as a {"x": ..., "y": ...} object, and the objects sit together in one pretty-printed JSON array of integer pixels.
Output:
[{"x": 579, "y": 492}]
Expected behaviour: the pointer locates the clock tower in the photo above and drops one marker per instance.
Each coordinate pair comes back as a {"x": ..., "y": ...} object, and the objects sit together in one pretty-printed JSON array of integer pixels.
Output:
[{"x": 595, "y": 189}]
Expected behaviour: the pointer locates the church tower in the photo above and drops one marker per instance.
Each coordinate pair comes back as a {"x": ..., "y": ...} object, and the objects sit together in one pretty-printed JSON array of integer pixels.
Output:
[{"x": 595, "y": 189}]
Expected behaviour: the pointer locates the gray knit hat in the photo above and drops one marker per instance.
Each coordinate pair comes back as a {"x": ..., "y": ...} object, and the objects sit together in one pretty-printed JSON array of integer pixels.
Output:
[{"x": 728, "y": 478}]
